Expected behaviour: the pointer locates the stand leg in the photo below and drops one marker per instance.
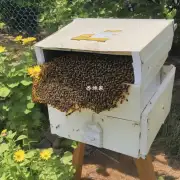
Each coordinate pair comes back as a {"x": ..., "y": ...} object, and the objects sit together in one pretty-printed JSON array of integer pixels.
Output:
[
  {"x": 145, "y": 168},
  {"x": 78, "y": 158}
]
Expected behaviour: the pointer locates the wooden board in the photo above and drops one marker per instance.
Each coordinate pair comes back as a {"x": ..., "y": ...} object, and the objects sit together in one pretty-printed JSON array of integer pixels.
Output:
[
  {"x": 133, "y": 103},
  {"x": 154, "y": 55},
  {"x": 78, "y": 159},
  {"x": 135, "y": 34},
  {"x": 157, "y": 110},
  {"x": 145, "y": 168},
  {"x": 117, "y": 134}
]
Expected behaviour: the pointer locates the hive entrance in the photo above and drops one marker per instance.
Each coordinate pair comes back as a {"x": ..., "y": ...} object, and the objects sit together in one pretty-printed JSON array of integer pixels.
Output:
[{"x": 73, "y": 81}]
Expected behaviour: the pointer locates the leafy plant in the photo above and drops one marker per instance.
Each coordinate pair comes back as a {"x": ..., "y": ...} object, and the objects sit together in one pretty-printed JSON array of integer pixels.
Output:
[
  {"x": 2, "y": 25},
  {"x": 60, "y": 12},
  {"x": 17, "y": 162},
  {"x": 17, "y": 109},
  {"x": 53, "y": 14}
]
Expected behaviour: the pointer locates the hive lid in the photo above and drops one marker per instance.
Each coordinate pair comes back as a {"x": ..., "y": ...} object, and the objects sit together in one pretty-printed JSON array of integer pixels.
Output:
[{"x": 128, "y": 35}]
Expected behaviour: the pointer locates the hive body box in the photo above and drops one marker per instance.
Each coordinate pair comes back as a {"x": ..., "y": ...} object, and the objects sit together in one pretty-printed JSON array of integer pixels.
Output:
[{"x": 132, "y": 126}]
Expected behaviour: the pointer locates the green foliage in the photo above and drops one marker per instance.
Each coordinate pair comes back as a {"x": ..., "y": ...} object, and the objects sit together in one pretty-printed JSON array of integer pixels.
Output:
[
  {"x": 17, "y": 109},
  {"x": 60, "y": 12},
  {"x": 160, "y": 178},
  {"x": 2, "y": 25},
  {"x": 54, "y": 13},
  {"x": 31, "y": 164},
  {"x": 57, "y": 13}
]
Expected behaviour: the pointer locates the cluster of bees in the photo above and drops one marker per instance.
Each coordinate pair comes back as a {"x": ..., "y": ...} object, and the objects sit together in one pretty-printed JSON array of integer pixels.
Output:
[{"x": 64, "y": 81}]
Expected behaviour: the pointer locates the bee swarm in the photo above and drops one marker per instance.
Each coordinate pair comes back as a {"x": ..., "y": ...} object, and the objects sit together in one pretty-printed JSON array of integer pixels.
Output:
[{"x": 74, "y": 81}]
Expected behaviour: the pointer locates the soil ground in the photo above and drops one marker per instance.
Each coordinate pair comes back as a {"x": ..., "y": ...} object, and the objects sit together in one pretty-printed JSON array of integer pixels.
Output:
[{"x": 107, "y": 165}]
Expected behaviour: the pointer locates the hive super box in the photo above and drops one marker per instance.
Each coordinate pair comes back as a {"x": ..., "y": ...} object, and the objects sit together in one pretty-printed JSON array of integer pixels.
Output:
[{"x": 132, "y": 126}]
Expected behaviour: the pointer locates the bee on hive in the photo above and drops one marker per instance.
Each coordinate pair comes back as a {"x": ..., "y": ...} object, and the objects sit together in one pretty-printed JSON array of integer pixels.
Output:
[{"x": 71, "y": 82}]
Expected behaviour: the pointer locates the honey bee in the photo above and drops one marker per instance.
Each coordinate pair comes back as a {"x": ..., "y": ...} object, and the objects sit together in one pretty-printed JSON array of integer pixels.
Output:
[{"x": 66, "y": 81}]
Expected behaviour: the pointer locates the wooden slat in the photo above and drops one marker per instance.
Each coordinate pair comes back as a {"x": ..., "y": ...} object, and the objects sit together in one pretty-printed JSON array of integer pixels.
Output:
[
  {"x": 145, "y": 168},
  {"x": 78, "y": 159}
]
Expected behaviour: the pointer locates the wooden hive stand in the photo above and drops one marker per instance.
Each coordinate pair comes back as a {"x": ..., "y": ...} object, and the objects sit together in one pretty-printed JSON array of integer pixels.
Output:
[{"x": 144, "y": 167}]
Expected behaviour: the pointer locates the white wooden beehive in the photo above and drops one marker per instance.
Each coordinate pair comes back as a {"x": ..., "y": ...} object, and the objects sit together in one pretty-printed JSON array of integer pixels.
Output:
[{"x": 132, "y": 126}]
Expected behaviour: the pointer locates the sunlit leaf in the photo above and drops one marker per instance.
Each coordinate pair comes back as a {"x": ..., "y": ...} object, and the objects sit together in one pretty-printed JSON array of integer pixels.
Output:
[
  {"x": 30, "y": 154},
  {"x": 6, "y": 108},
  {"x": 21, "y": 137},
  {"x": 27, "y": 111},
  {"x": 30, "y": 105},
  {"x": 4, "y": 92},
  {"x": 11, "y": 135},
  {"x": 74, "y": 145},
  {"x": 3, "y": 148},
  {"x": 26, "y": 82},
  {"x": 12, "y": 85},
  {"x": 67, "y": 158}
]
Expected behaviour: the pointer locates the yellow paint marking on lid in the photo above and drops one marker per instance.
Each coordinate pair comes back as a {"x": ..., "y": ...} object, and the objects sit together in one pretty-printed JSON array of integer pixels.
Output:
[{"x": 112, "y": 30}]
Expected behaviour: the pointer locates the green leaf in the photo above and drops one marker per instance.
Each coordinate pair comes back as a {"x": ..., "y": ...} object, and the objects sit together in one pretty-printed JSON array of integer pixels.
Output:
[
  {"x": 67, "y": 158},
  {"x": 2, "y": 25},
  {"x": 25, "y": 163},
  {"x": 12, "y": 85},
  {"x": 74, "y": 145},
  {"x": 13, "y": 70},
  {"x": 6, "y": 108},
  {"x": 30, "y": 105},
  {"x": 27, "y": 111},
  {"x": 160, "y": 178},
  {"x": 3, "y": 177},
  {"x": 11, "y": 135},
  {"x": 21, "y": 137},
  {"x": 30, "y": 154},
  {"x": 26, "y": 82},
  {"x": 29, "y": 97},
  {"x": 34, "y": 166},
  {"x": 3, "y": 148},
  {"x": 4, "y": 92}
]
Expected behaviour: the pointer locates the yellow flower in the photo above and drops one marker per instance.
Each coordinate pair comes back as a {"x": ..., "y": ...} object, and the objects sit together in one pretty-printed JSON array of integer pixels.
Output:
[
  {"x": 4, "y": 132},
  {"x": 45, "y": 154},
  {"x": 28, "y": 40},
  {"x": 2, "y": 49},
  {"x": 34, "y": 71},
  {"x": 19, "y": 156},
  {"x": 18, "y": 38}
]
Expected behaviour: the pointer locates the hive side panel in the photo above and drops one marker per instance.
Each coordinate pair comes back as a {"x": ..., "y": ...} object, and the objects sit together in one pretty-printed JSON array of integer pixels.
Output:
[
  {"x": 150, "y": 91},
  {"x": 132, "y": 104},
  {"x": 153, "y": 66},
  {"x": 166, "y": 35},
  {"x": 119, "y": 135},
  {"x": 154, "y": 55},
  {"x": 39, "y": 55},
  {"x": 161, "y": 108},
  {"x": 70, "y": 127},
  {"x": 137, "y": 67},
  {"x": 157, "y": 111}
]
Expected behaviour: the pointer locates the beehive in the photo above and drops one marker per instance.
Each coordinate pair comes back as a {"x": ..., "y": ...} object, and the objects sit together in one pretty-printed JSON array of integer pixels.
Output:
[{"x": 131, "y": 127}]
